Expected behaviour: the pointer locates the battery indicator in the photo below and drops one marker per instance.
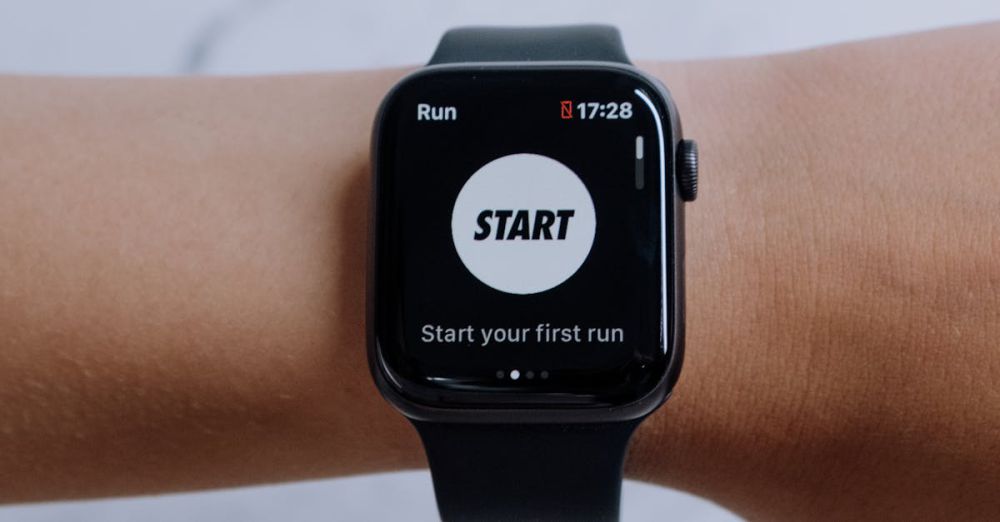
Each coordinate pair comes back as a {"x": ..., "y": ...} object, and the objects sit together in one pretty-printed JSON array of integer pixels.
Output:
[{"x": 566, "y": 109}]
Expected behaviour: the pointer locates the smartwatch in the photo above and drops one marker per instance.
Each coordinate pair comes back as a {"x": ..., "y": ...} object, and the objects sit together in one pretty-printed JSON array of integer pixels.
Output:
[{"x": 526, "y": 272}]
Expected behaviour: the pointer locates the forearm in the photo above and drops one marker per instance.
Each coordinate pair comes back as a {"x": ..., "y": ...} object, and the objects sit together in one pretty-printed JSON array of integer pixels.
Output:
[{"x": 182, "y": 275}]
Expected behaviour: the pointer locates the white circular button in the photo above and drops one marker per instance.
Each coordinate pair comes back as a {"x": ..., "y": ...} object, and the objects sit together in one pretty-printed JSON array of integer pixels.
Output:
[{"x": 523, "y": 223}]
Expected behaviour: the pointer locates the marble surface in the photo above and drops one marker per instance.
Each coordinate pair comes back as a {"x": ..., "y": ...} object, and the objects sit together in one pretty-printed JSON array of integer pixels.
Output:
[{"x": 154, "y": 37}]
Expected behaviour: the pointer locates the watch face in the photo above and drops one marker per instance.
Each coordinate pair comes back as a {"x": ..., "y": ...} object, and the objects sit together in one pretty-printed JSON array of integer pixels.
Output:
[{"x": 523, "y": 237}]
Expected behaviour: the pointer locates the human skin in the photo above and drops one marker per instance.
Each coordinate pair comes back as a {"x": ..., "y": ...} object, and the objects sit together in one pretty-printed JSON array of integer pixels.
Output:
[{"x": 182, "y": 267}]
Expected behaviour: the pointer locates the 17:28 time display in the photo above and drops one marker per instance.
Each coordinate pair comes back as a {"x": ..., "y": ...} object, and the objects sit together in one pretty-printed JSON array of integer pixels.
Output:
[{"x": 607, "y": 111}]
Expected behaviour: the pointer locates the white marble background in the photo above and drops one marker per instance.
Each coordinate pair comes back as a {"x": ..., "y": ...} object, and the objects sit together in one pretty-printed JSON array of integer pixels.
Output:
[{"x": 112, "y": 37}]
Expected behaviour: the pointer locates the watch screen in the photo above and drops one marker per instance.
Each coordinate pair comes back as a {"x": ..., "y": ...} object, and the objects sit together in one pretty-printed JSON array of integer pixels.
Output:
[{"x": 520, "y": 232}]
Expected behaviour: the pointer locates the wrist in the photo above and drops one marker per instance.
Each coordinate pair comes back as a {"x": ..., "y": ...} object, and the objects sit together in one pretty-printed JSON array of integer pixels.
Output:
[{"x": 840, "y": 285}]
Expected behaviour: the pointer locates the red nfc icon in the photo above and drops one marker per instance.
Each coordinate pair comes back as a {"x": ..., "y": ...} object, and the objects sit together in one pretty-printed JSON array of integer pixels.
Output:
[{"x": 566, "y": 109}]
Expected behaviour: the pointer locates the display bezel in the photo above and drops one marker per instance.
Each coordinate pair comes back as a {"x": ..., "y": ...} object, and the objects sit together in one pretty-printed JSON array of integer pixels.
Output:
[{"x": 420, "y": 401}]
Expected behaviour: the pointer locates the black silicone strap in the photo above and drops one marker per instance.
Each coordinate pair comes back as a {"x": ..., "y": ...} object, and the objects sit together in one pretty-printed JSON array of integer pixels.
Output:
[
  {"x": 517, "y": 472},
  {"x": 594, "y": 43}
]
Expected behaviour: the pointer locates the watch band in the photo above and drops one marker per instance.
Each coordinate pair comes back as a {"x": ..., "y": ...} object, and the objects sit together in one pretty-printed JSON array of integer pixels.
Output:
[
  {"x": 544, "y": 472},
  {"x": 592, "y": 43}
]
